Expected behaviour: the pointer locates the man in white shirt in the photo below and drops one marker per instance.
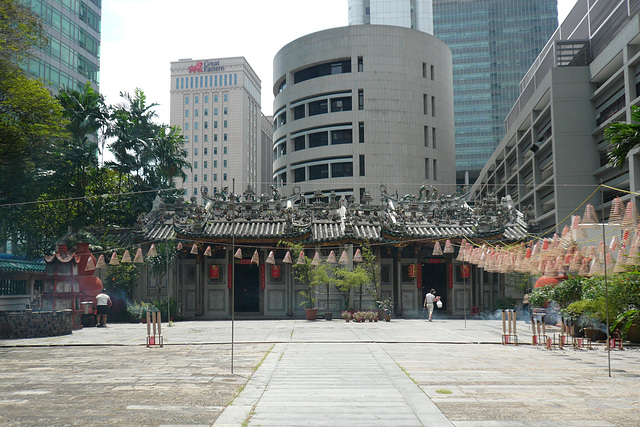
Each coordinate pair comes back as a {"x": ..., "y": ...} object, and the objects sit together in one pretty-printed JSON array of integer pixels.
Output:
[{"x": 103, "y": 304}]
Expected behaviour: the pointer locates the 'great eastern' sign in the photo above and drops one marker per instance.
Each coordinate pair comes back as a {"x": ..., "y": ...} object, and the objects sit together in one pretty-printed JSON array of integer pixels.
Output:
[{"x": 206, "y": 67}]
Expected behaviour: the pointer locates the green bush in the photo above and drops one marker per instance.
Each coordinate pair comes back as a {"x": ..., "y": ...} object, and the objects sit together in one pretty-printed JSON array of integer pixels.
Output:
[
  {"x": 506, "y": 303},
  {"x": 161, "y": 305},
  {"x": 138, "y": 311}
]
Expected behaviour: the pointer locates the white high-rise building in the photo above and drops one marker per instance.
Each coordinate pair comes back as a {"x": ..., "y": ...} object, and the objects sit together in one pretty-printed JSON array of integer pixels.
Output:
[
  {"x": 216, "y": 104},
  {"x": 415, "y": 14}
]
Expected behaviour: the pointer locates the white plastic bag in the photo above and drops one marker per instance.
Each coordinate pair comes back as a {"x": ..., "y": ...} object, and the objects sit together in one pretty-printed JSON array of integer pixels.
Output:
[{"x": 439, "y": 304}]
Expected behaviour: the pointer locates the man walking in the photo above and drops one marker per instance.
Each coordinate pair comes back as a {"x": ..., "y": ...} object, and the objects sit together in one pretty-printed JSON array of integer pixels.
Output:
[
  {"x": 103, "y": 303},
  {"x": 429, "y": 299}
]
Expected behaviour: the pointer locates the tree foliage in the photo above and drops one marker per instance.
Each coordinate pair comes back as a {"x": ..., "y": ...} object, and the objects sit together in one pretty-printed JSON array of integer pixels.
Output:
[{"x": 623, "y": 138}]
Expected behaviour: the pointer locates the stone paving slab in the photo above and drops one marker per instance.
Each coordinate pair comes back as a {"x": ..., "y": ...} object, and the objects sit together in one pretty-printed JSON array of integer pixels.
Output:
[{"x": 447, "y": 370}]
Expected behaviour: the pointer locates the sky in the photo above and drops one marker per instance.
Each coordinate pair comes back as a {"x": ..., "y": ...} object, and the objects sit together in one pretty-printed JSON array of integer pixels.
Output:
[{"x": 140, "y": 39}]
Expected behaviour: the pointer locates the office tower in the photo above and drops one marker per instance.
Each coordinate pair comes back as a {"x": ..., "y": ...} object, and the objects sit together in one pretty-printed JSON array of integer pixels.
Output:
[
  {"x": 493, "y": 44},
  {"x": 73, "y": 55},
  {"x": 216, "y": 104},
  {"x": 554, "y": 153},
  {"x": 415, "y": 14},
  {"x": 362, "y": 106}
]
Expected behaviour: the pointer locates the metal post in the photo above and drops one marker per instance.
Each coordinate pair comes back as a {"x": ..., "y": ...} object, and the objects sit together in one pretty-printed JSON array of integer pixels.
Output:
[
  {"x": 233, "y": 263},
  {"x": 606, "y": 284}
]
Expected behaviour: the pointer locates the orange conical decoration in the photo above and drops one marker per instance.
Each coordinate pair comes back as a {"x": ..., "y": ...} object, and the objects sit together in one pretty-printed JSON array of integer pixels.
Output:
[
  {"x": 630, "y": 215},
  {"x": 589, "y": 219}
]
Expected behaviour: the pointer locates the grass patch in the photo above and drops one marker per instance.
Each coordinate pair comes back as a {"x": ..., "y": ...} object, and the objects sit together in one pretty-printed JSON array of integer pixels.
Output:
[
  {"x": 443, "y": 391},
  {"x": 407, "y": 374}
]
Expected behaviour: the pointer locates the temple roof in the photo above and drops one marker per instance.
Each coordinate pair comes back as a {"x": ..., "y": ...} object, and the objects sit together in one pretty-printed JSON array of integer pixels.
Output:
[{"x": 324, "y": 219}]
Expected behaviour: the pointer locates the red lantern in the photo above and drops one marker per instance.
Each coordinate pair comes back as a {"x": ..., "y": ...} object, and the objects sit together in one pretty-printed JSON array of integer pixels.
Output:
[
  {"x": 214, "y": 271},
  {"x": 413, "y": 270},
  {"x": 275, "y": 271}
]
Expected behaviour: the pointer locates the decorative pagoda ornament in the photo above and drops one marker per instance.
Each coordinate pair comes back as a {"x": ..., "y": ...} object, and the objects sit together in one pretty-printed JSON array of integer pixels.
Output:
[
  {"x": 358, "y": 256},
  {"x": 287, "y": 258},
  {"x": 255, "y": 258},
  {"x": 300, "y": 258},
  {"x": 344, "y": 259},
  {"x": 207, "y": 252},
  {"x": 316, "y": 259},
  {"x": 238, "y": 254},
  {"x": 138, "y": 259},
  {"x": 271, "y": 258},
  {"x": 126, "y": 258},
  {"x": 194, "y": 249},
  {"x": 331, "y": 259},
  {"x": 179, "y": 247},
  {"x": 101, "y": 263},
  {"x": 620, "y": 262},
  {"x": 617, "y": 211},
  {"x": 90, "y": 265},
  {"x": 437, "y": 250},
  {"x": 630, "y": 219},
  {"x": 152, "y": 250},
  {"x": 114, "y": 259},
  {"x": 448, "y": 248},
  {"x": 590, "y": 218}
]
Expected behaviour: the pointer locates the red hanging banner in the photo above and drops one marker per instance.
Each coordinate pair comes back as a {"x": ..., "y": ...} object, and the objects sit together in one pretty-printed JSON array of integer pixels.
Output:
[
  {"x": 419, "y": 276},
  {"x": 262, "y": 276},
  {"x": 465, "y": 271},
  {"x": 450, "y": 275},
  {"x": 275, "y": 271},
  {"x": 214, "y": 271},
  {"x": 230, "y": 275}
]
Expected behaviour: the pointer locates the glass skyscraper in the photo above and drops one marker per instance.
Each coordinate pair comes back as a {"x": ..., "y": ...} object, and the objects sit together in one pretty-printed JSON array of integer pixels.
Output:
[
  {"x": 493, "y": 42},
  {"x": 73, "y": 55}
]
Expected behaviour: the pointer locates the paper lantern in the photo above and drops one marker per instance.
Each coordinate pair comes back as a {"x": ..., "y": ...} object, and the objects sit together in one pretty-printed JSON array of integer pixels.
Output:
[
  {"x": 287, "y": 258},
  {"x": 194, "y": 249},
  {"x": 300, "y": 258},
  {"x": 448, "y": 248},
  {"x": 207, "y": 252},
  {"x": 138, "y": 259},
  {"x": 271, "y": 258},
  {"x": 179, "y": 247},
  {"x": 126, "y": 258},
  {"x": 238, "y": 254},
  {"x": 331, "y": 259},
  {"x": 114, "y": 259},
  {"x": 255, "y": 258},
  {"x": 344, "y": 259},
  {"x": 437, "y": 250}
]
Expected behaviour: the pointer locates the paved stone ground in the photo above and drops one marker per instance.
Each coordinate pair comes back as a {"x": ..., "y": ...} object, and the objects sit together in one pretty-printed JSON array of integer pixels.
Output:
[{"x": 293, "y": 372}]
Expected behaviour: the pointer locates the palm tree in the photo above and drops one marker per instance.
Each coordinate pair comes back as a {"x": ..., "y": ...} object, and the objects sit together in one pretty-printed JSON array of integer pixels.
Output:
[{"x": 623, "y": 137}]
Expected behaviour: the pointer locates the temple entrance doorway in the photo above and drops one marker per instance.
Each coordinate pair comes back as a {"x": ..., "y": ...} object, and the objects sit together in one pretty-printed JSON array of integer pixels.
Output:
[
  {"x": 247, "y": 288},
  {"x": 434, "y": 276}
]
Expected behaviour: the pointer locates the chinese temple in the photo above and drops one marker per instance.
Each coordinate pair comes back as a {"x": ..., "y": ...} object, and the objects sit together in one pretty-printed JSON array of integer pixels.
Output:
[{"x": 415, "y": 239}]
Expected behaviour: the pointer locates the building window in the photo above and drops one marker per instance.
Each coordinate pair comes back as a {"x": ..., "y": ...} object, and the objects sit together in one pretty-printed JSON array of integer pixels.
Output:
[
  {"x": 298, "y": 112},
  {"x": 426, "y": 136},
  {"x": 205, "y": 164},
  {"x": 361, "y": 164},
  {"x": 215, "y": 111},
  {"x": 224, "y": 177},
  {"x": 426, "y": 168},
  {"x": 215, "y": 150},
  {"x": 225, "y": 98},
  {"x": 433, "y": 72},
  {"x": 206, "y": 139},
  {"x": 424, "y": 70},
  {"x": 215, "y": 176},
  {"x": 360, "y": 64},
  {"x": 435, "y": 170},
  {"x": 206, "y": 111},
  {"x": 195, "y": 165},
  {"x": 224, "y": 149},
  {"x": 195, "y": 125},
  {"x": 339, "y": 170},
  {"x": 224, "y": 124},
  {"x": 215, "y": 124},
  {"x": 341, "y": 104},
  {"x": 195, "y": 150},
  {"x": 215, "y": 137},
  {"x": 205, "y": 177},
  {"x": 425, "y": 104},
  {"x": 195, "y": 99},
  {"x": 195, "y": 178},
  {"x": 360, "y": 99},
  {"x": 195, "y": 138},
  {"x": 433, "y": 137},
  {"x": 298, "y": 143},
  {"x": 206, "y": 99},
  {"x": 433, "y": 106},
  {"x": 215, "y": 164},
  {"x": 205, "y": 148},
  {"x": 344, "y": 136},
  {"x": 318, "y": 172},
  {"x": 215, "y": 97},
  {"x": 195, "y": 191},
  {"x": 224, "y": 163},
  {"x": 361, "y": 132},
  {"x": 186, "y": 127},
  {"x": 206, "y": 125},
  {"x": 225, "y": 108},
  {"x": 320, "y": 70},
  {"x": 318, "y": 107},
  {"x": 186, "y": 113},
  {"x": 318, "y": 139},
  {"x": 298, "y": 175},
  {"x": 186, "y": 100}
]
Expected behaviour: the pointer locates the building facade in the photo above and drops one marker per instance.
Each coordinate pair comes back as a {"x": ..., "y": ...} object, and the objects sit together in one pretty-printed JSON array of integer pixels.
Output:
[
  {"x": 493, "y": 43},
  {"x": 415, "y": 14},
  {"x": 216, "y": 104},
  {"x": 554, "y": 153},
  {"x": 361, "y": 105},
  {"x": 73, "y": 55}
]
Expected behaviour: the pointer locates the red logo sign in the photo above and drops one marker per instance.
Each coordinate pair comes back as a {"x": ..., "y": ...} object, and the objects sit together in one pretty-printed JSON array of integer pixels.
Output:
[
  {"x": 413, "y": 270},
  {"x": 465, "y": 271},
  {"x": 214, "y": 271},
  {"x": 275, "y": 271},
  {"x": 196, "y": 68}
]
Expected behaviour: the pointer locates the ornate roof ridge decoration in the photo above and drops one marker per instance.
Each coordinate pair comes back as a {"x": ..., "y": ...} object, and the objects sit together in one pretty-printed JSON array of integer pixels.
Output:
[{"x": 325, "y": 217}]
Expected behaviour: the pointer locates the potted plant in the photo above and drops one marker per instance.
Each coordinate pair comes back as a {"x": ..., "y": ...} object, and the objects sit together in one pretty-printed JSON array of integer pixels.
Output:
[
  {"x": 385, "y": 305},
  {"x": 627, "y": 322},
  {"x": 346, "y": 315}
]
